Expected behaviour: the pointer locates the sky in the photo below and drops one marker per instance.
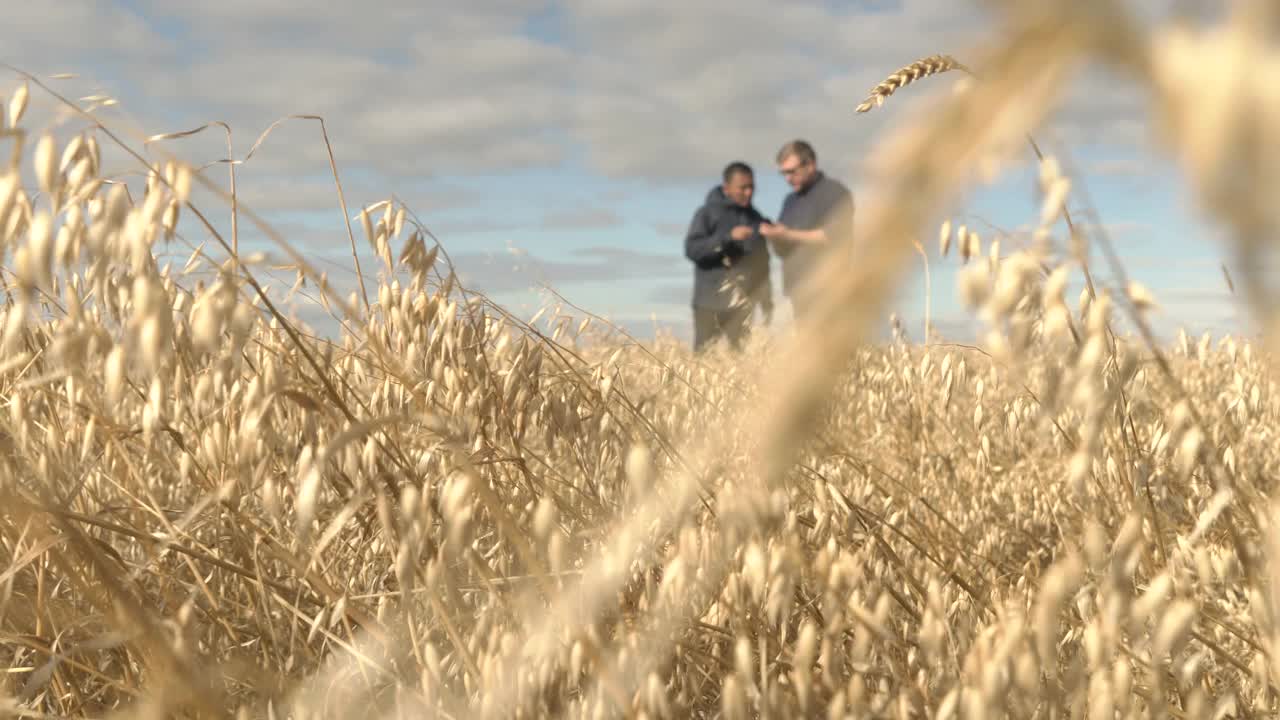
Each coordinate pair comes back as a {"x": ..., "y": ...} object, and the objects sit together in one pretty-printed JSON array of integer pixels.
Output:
[{"x": 569, "y": 142}]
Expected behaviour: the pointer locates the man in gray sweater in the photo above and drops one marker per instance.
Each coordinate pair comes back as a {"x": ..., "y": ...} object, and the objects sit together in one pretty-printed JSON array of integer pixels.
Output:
[
  {"x": 731, "y": 260},
  {"x": 817, "y": 217}
]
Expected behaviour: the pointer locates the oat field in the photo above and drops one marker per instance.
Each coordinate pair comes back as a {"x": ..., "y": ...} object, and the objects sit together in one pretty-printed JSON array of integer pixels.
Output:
[{"x": 207, "y": 510}]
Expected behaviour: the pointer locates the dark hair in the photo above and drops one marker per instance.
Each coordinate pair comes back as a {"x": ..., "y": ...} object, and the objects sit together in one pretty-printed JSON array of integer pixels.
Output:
[
  {"x": 801, "y": 149},
  {"x": 736, "y": 167}
]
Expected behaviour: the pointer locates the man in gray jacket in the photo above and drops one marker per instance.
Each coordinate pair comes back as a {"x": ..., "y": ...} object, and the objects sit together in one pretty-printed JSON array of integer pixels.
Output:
[
  {"x": 817, "y": 218},
  {"x": 731, "y": 260}
]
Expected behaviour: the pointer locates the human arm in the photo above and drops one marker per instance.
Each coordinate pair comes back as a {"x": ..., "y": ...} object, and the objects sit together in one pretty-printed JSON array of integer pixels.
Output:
[
  {"x": 837, "y": 224},
  {"x": 702, "y": 244},
  {"x": 773, "y": 235},
  {"x": 785, "y": 237},
  {"x": 709, "y": 246}
]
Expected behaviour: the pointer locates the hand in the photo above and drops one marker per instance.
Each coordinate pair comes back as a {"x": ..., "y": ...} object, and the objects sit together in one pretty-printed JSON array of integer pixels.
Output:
[
  {"x": 772, "y": 230},
  {"x": 741, "y": 232}
]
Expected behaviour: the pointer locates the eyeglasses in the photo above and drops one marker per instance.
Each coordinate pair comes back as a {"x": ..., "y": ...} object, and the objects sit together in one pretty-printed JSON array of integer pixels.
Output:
[{"x": 788, "y": 172}]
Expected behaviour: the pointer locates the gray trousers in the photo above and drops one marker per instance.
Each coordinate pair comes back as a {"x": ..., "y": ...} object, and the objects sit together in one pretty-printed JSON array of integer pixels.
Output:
[{"x": 710, "y": 325}]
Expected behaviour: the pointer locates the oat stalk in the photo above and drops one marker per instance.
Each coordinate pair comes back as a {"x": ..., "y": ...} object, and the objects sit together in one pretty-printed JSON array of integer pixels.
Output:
[{"x": 918, "y": 70}]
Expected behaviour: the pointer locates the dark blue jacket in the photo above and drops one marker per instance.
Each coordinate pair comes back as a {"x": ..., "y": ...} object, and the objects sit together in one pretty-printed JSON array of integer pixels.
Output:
[{"x": 725, "y": 268}]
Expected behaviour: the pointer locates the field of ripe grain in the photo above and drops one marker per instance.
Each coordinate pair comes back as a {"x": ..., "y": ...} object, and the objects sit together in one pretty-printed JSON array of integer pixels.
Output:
[
  {"x": 460, "y": 515},
  {"x": 208, "y": 511}
]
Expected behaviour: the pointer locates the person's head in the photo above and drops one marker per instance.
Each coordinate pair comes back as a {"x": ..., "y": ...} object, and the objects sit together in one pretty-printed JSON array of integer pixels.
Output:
[
  {"x": 739, "y": 183},
  {"x": 798, "y": 163}
]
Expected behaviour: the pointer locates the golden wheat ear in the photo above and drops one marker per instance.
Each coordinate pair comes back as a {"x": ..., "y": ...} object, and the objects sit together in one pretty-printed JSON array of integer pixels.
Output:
[{"x": 922, "y": 68}]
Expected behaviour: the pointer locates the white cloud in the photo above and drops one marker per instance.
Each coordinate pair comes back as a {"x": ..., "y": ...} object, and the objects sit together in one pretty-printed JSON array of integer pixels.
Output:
[
  {"x": 582, "y": 219},
  {"x": 54, "y": 37},
  {"x": 671, "y": 229},
  {"x": 664, "y": 89},
  {"x": 679, "y": 88},
  {"x": 419, "y": 96},
  {"x": 506, "y": 273}
]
